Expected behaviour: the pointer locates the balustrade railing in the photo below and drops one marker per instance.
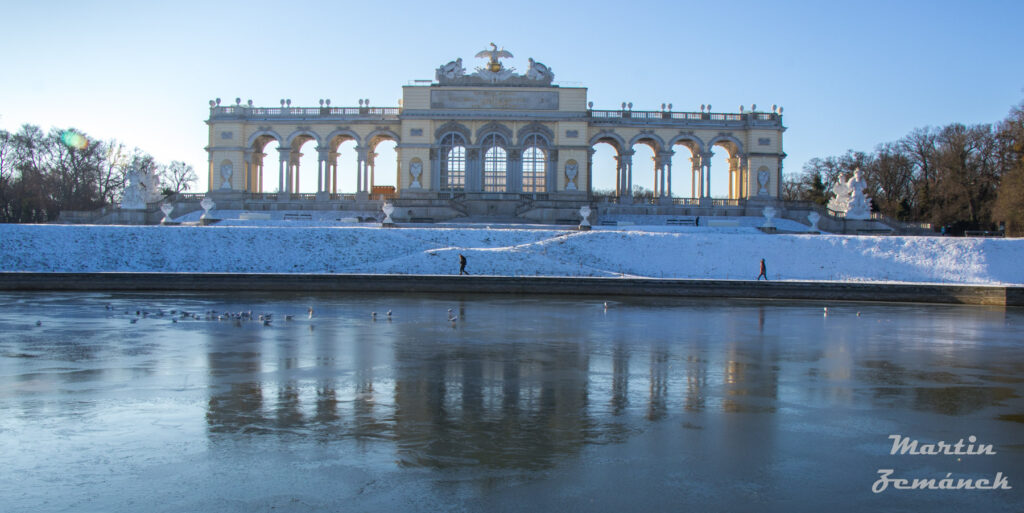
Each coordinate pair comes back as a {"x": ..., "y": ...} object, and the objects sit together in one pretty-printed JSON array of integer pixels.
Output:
[
  {"x": 686, "y": 116},
  {"x": 688, "y": 202},
  {"x": 306, "y": 112},
  {"x": 188, "y": 196},
  {"x": 725, "y": 202}
]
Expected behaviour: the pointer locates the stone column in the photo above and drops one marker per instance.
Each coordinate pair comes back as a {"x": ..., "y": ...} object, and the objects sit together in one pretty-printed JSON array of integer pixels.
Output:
[
  {"x": 743, "y": 177},
  {"x": 590, "y": 173},
  {"x": 629, "y": 176},
  {"x": 247, "y": 158},
  {"x": 658, "y": 178},
  {"x": 696, "y": 176},
  {"x": 435, "y": 169},
  {"x": 666, "y": 173},
  {"x": 332, "y": 172},
  {"x": 514, "y": 171},
  {"x": 360, "y": 169},
  {"x": 551, "y": 171},
  {"x": 284, "y": 175},
  {"x": 706, "y": 161},
  {"x": 625, "y": 187},
  {"x": 474, "y": 170},
  {"x": 369, "y": 178},
  {"x": 321, "y": 170}
]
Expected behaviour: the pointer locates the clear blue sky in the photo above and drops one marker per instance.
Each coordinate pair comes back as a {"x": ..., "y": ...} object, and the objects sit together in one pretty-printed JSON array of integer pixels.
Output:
[{"x": 849, "y": 74}]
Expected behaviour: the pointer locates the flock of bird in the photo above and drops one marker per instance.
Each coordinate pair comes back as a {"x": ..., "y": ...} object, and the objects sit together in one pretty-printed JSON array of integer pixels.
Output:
[
  {"x": 210, "y": 315},
  {"x": 237, "y": 317}
]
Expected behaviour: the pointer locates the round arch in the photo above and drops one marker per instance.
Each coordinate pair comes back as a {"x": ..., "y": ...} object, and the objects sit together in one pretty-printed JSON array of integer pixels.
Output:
[
  {"x": 379, "y": 135},
  {"x": 726, "y": 172},
  {"x": 535, "y": 129},
  {"x": 657, "y": 144},
  {"x": 494, "y": 128},
  {"x": 692, "y": 142},
  {"x": 344, "y": 134},
  {"x": 452, "y": 127},
  {"x": 611, "y": 138},
  {"x": 255, "y": 158}
]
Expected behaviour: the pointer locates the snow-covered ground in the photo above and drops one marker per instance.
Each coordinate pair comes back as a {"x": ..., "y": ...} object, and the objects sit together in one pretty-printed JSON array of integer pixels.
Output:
[{"x": 669, "y": 252}]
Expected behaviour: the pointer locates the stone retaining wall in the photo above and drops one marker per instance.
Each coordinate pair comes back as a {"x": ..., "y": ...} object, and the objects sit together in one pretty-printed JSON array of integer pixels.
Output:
[{"x": 801, "y": 290}]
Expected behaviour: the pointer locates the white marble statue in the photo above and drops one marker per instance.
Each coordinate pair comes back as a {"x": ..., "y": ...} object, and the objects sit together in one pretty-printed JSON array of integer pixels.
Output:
[
  {"x": 859, "y": 206},
  {"x": 850, "y": 198},
  {"x": 135, "y": 196},
  {"x": 450, "y": 71},
  {"x": 571, "y": 170},
  {"x": 841, "y": 197},
  {"x": 539, "y": 72},
  {"x": 416, "y": 169}
]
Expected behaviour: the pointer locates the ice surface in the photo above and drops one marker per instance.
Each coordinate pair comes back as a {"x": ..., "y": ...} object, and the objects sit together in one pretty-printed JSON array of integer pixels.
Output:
[{"x": 524, "y": 404}]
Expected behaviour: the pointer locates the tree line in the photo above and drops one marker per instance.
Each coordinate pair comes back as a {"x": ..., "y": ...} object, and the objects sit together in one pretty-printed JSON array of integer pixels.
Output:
[
  {"x": 962, "y": 177},
  {"x": 43, "y": 173}
]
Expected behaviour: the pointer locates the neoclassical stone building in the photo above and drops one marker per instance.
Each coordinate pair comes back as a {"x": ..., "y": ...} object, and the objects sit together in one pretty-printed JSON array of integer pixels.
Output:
[{"x": 489, "y": 138}]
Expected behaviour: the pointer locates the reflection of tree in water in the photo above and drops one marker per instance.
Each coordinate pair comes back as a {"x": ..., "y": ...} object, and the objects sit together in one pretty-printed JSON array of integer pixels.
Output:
[{"x": 943, "y": 392}]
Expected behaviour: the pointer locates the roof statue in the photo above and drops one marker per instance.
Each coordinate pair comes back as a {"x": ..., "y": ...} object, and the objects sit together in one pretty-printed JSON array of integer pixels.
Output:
[
  {"x": 494, "y": 72},
  {"x": 494, "y": 54}
]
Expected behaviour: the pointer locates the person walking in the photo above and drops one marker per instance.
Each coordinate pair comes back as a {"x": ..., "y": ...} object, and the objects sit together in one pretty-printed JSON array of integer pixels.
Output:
[
  {"x": 462, "y": 264},
  {"x": 764, "y": 272}
]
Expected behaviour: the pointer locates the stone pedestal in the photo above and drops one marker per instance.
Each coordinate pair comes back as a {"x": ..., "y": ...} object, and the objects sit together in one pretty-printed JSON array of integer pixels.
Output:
[
  {"x": 583, "y": 227},
  {"x": 323, "y": 196}
]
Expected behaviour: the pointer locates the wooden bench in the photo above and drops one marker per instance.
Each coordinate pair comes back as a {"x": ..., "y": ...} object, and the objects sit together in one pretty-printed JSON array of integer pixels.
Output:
[
  {"x": 298, "y": 217},
  {"x": 682, "y": 221}
]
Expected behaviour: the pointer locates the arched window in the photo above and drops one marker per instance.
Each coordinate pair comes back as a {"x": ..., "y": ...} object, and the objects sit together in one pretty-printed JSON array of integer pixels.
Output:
[
  {"x": 495, "y": 163},
  {"x": 534, "y": 164},
  {"x": 453, "y": 163}
]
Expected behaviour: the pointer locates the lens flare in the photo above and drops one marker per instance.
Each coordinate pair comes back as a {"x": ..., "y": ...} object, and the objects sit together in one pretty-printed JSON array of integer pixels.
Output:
[{"x": 74, "y": 140}]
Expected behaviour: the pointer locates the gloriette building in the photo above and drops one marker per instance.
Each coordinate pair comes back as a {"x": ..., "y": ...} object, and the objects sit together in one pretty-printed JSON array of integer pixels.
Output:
[{"x": 492, "y": 142}]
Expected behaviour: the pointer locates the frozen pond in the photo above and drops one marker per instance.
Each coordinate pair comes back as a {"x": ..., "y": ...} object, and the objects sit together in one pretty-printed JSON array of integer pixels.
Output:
[{"x": 521, "y": 404}]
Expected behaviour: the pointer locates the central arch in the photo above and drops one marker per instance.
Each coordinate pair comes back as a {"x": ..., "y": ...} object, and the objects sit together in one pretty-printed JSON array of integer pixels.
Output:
[{"x": 495, "y": 162}]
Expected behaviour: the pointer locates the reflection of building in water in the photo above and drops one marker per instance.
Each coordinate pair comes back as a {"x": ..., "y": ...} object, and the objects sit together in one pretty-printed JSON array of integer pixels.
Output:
[
  {"x": 236, "y": 394},
  {"x": 521, "y": 398},
  {"x": 495, "y": 404}
]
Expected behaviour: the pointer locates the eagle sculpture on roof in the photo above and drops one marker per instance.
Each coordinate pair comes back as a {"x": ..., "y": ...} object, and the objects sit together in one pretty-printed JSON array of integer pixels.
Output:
[{"x": 494, "y": 54}]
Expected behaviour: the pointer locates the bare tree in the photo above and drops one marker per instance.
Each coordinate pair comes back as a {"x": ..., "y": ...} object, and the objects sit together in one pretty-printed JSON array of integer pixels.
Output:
[
  {"x": 114, "y": 172},
  {"x": 178, "y": 176}
]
